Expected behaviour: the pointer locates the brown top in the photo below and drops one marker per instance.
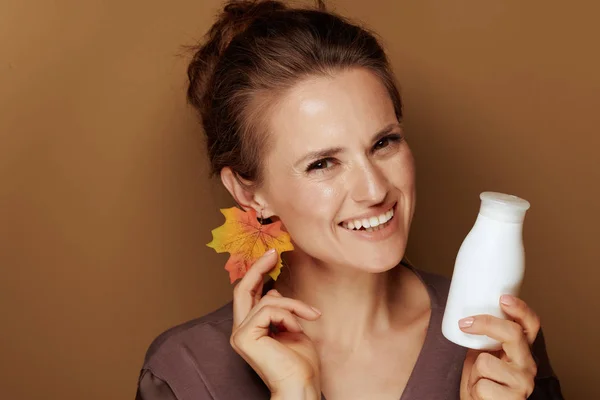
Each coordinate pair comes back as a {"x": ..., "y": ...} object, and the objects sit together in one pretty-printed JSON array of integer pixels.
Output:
[{"x": 194, "y": 361}]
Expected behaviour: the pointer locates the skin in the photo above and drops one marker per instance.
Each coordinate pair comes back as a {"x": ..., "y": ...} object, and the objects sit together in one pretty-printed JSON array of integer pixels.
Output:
[{"x": 351, "y": 322}]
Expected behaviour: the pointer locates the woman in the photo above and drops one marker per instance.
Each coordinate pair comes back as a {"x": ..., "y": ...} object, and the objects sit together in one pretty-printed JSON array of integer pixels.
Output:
[{"x": 303, "y": 122}]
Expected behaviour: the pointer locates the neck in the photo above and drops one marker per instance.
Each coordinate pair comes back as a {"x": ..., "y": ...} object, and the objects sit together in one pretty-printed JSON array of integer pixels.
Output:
[{"x": 355, "y": 304}]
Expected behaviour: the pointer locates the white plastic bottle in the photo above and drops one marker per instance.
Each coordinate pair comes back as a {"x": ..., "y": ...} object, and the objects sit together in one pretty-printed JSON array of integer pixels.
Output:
[{"x": 490, "y": 263}]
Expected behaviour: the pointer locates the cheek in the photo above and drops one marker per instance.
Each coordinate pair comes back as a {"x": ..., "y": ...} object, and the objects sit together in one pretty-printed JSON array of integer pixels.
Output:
[
  {"x": 308, "y": 204},
  {"x": 402, "y": 173},
  {"x": 318, "y": 199}
]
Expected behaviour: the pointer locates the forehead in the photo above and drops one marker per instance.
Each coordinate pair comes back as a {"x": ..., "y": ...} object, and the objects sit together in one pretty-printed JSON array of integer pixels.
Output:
[{"x": 329, "y": 111}]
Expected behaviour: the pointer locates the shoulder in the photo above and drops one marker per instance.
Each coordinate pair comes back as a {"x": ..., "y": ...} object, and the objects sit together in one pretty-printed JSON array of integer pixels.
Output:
[
  {"x": 196, "y": 358},
  {"x": 209, "y": 329},
  {"x": 186, "y": 355},
  {"x": 437, "y": 285}
]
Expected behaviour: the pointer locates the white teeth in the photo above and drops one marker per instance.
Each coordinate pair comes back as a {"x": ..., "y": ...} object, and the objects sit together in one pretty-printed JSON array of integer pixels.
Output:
[{"x": 370, "y": 224}]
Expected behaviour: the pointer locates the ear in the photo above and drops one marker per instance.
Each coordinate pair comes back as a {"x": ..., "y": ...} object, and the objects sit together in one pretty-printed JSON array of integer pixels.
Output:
[{"x": 244, "y": 193}]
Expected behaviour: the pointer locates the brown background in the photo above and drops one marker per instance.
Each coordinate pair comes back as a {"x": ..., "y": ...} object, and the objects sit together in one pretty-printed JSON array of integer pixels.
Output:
[{"x": 105, "y": 205}]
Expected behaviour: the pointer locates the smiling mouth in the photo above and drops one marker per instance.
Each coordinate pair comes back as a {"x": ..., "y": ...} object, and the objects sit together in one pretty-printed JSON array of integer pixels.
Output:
[{"x": 371, "y": 224}]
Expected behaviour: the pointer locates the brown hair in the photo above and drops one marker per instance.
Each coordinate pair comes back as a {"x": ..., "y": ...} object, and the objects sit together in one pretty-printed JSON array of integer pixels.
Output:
[{"x": 256, "y": 50}]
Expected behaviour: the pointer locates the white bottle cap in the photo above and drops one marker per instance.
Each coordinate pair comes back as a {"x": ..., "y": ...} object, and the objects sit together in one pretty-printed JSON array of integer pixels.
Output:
[{"x": 503, "y": 207}]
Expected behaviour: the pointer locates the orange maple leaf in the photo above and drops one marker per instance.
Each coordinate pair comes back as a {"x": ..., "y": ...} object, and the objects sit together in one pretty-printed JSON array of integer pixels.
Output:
[{"x": 245, "y": 239}]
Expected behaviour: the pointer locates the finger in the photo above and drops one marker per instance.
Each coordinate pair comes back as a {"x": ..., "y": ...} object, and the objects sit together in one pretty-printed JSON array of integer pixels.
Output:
[
  {"x": 258, "y": 325},
  {"x": 294, "y": 306},
  {"x": 258, "y": 292},
  {"x": 246, "y": 291},
  {"x": 508, "y": 333},
  {"x": 274, "y": 292},
  {"x": 520, "y": 312},
  {"x": 487, "y": 366},
  {"x": 485, "y": 389}
]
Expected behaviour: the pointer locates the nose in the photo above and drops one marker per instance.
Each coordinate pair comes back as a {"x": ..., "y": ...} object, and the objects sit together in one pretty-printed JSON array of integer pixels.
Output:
[{"x": 369, "y": 184}]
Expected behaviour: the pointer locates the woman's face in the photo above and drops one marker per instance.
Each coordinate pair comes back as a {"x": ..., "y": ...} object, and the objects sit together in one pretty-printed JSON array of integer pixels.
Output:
[{"x": 338, "y": 167}]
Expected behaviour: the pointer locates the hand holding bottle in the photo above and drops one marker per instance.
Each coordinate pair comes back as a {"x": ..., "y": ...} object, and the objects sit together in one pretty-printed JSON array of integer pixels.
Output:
[{"x": 509, "y": 373}]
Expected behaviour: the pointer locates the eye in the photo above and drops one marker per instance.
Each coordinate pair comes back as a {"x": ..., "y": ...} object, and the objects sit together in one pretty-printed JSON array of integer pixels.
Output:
[
  {"x": 322, "y": 164},
  {"x": 387, "y": 141}
]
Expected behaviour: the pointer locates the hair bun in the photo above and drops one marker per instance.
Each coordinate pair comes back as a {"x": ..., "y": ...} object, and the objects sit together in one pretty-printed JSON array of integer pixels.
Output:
[
  {"x": 240, "y": 8},
  {"x": 234, "y": 18},
  {"x": 237, "y": 16}
]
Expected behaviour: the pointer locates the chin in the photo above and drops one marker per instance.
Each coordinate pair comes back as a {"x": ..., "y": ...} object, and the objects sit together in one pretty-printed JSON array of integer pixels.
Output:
[{"x": 383, "y": 263}]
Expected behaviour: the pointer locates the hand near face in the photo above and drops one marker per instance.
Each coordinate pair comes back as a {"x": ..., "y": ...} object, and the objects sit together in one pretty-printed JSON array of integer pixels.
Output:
[
  {"x": 287, "y": 361},
  {"x": 507, "y": 374}
]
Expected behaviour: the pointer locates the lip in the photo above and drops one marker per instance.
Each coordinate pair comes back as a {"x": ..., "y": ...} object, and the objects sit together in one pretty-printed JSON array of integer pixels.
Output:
[{"x": 374, "y": 213}]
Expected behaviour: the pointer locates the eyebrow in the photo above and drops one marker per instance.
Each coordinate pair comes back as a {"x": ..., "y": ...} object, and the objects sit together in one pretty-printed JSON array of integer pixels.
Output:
[{"x": 332, "y": 151}]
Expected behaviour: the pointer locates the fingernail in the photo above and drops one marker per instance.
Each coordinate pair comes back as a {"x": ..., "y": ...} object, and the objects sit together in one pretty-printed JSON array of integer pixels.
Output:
[
  {"x": 465, "y": 322},
  {"x": 507, "y": 300},
  {"x": 316, "y": 310},
  {"x": 269, "y": 252}
]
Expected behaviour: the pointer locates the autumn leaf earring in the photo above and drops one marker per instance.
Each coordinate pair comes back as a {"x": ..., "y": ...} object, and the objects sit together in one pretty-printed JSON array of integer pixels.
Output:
[{"x": 246, "y": 238}]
